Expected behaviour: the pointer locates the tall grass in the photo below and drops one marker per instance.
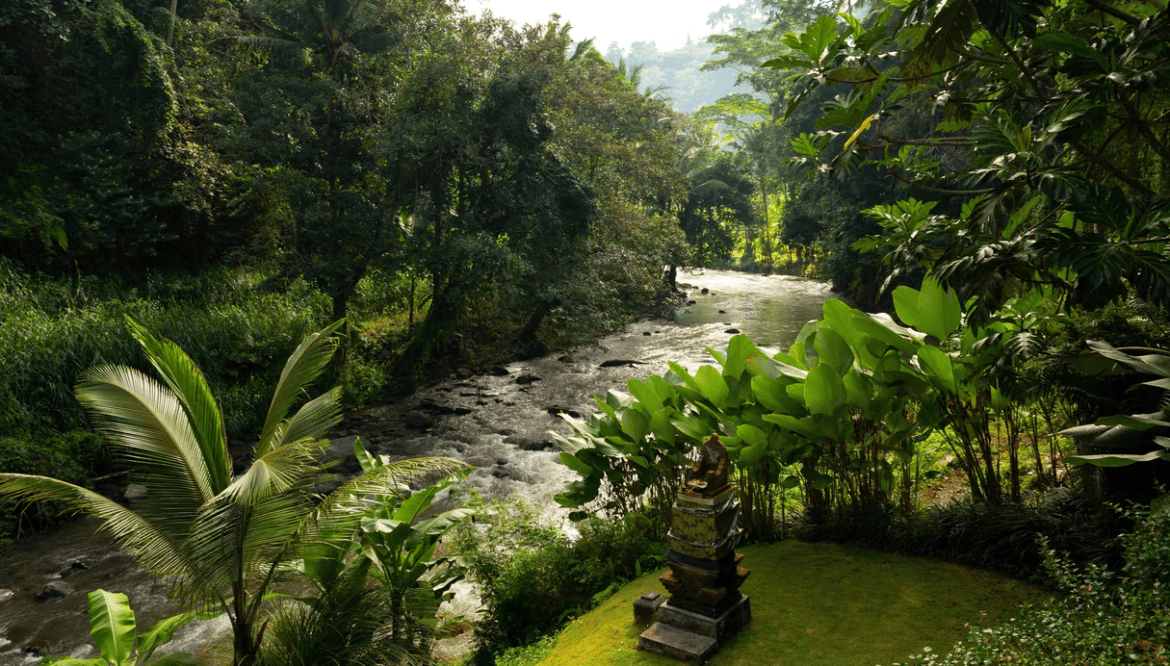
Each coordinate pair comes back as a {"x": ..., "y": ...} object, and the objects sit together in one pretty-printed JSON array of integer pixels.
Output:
[{"x": 234, "y": 325}]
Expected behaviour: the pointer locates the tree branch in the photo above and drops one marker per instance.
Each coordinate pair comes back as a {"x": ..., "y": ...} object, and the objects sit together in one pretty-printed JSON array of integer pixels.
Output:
[
  {"x": 937, "y": 141},
  {"x": 1135, "y": 117},
  {"x": 1114, "y": 12},
  {"x": 936, "y": 190}
]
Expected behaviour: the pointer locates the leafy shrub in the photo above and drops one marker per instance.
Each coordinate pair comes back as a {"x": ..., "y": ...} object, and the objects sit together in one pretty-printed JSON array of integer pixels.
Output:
[
  {"x": 535, "y": 579},
  {"x": 1107, "y": 616},
  {"x": 1000, "y": 537},
  {"x": 75, "y": 456},
  {"x": 235, "y": 327}
]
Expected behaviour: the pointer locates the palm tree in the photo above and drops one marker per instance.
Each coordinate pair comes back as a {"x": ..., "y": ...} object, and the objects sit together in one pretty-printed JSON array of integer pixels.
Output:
[{"x": 221, "y": 540}]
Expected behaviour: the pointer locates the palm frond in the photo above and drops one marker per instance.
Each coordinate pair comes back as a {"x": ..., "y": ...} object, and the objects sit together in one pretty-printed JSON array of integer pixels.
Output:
[
  {"x": 148, "y": 422},
  {"x": 158, "y": 553},
  {"x": 312, "y": 420},
  {"x": 284, "y": 47},
  {"x": 275, "y": 472},
  {"x": 302, "y": 368},
  {"x": 183, "y": 377}
]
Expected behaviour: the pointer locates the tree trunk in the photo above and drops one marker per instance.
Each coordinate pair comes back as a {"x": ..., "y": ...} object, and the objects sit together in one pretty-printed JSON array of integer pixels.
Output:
[{"x": 171, "y": 25}]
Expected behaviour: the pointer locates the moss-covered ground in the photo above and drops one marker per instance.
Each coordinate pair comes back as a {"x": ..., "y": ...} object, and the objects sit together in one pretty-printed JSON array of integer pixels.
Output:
[{"x": 819, "y": 605}]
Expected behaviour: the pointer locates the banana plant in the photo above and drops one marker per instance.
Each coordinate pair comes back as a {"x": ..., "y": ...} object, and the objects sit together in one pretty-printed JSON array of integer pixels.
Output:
[
  {"x": 400, "y": 543},
  {"x": 112, "y": 624},
  {"x": 1146, "y": 434}
]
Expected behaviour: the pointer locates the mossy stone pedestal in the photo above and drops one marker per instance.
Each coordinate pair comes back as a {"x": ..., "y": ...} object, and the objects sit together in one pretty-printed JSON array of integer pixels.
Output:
[{"x": 705, "y": 608}]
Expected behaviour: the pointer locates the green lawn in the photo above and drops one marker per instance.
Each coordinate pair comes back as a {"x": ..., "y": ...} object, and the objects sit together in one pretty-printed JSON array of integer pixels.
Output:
[{"x": 816, "y": 605}]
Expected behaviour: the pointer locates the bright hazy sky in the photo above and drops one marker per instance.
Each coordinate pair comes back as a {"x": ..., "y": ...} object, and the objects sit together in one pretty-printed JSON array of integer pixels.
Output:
[{"x": 665, "y": 22}]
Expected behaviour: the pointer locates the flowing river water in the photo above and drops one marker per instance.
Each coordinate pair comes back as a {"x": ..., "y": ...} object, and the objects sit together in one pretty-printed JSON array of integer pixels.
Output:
[{"x": 497, "y": 422}]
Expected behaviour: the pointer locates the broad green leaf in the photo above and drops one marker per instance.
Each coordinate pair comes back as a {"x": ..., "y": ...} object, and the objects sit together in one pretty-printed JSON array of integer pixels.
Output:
[
  {"x": 906, "y": 305},
  {"x": 164, "y": 630},
  {"x": 112, "y": 624},
  {"x": 572, "y": 462},
  {"x": 806, "y": 427},
  {"x": 712, "y": 385},
  {"x": 858, "y": 391},
  {"x": 739, "y": 349},
  {"x": 771, "y": 394},
  {"x": 661, "y": 427},
  {"x": 1136, "y": 421},
  {"x": 824, "y": 392},
  {"x": 833, "y": 349},
  {"x": 937, "y": 366},
  {"x": 938, "y": 310},
  {"x": 635, "y": 424},
  {"x": 756, "y": 442},
  {"x": 645, "y": 394},
  {"x": 1117, "y": 459},
  {"x": 691, "y": 427}
]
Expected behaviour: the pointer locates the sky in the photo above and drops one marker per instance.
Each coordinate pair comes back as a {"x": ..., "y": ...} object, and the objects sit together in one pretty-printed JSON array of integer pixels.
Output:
[{"x": 665, "y": 22}]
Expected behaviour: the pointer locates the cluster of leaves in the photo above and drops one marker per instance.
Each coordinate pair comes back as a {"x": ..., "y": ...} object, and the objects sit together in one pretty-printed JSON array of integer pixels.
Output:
[
  {"x": 1049, "y": 117},
  {"x": 221, "y": 539},
  {"x": 840, "y": 412},
  {"x": 1104, "y": 617},
  {"x": 535, "y": 579}
]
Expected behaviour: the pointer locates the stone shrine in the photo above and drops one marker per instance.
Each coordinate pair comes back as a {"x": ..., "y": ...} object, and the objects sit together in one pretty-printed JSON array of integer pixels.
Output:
[{"x": 705, "y": 608}]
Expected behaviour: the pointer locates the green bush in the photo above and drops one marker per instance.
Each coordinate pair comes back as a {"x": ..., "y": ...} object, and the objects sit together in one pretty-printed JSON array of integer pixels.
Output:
[
  {"x": 1107, "y": 616},
  {"x": 75, "y": 456},
  {"x": 534, "y": 579},
  {"x": 232, "y": 322},
  {"x": 999, "y": 537}
]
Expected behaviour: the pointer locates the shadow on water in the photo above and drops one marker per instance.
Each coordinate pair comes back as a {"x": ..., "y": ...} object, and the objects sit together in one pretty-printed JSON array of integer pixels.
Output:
[{"x": 499, "y": 424}]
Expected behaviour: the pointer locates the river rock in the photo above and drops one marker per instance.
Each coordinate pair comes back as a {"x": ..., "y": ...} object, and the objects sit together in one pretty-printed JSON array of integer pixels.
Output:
[
  {"x": 723, "y": 312},
  {"x": 416, "y": 419},
  {"x": 464, "y": 373},
  {"x": 74, "y": 568},
  {"x": 691, "y": 302},
  {"x": 57, "y": 589},
  {"x": 529, "y": 443},
  {"x": 617, "y": 363},
  {"x": 645, "y": 332},
  {"x": 732, "y": 331},
  {"x": 135, "y": 492},
  {"x": 527, "y": 379},
  {"x": 500, "y": 371}
]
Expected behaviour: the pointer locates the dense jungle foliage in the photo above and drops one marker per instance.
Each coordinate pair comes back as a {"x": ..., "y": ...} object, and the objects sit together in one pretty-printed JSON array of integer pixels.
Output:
[{"x": 199, "y": 186}]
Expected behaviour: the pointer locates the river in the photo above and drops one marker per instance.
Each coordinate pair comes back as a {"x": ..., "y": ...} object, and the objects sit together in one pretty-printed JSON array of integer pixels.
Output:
[{"x": 498, "y": 423}]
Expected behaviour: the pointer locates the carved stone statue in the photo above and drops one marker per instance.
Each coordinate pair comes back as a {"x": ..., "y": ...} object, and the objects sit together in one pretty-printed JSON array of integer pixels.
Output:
[
  {"x": 705, "y": 607},
  {"x": 708, "y": 477}
]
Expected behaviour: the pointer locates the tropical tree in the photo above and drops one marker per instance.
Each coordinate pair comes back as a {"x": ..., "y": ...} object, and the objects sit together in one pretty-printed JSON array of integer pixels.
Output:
[{"x": 222, "y": 539}]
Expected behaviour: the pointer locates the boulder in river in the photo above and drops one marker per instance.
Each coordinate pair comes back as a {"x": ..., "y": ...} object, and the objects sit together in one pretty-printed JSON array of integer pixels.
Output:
[
  {"x": 691, "y": 302},
  {"x": 464, "y": 373},
  {"x": 557, "y": 409},
  {"x": 618, "y": 362},
  {"x": 732, "y": 331},
  {"x": 57, "y": 589},
  {"x": 527, "y": 379},
  {"x": 645, "y": 332},
  {"x": 416, "y": 419},
  {"x": 529, "y": 443},
  {"x": 134, "y": 492},
  {"x": 500, "y": 371},
  {"x": 703, "y": 291}
]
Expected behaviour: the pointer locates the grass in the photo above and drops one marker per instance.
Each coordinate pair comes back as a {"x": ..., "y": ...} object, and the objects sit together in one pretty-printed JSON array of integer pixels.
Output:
[{"x": 818, "y": 605}]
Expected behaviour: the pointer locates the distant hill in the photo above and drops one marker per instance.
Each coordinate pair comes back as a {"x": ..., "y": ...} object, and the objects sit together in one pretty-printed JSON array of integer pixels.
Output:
[{"x": 678, "y": 70}]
